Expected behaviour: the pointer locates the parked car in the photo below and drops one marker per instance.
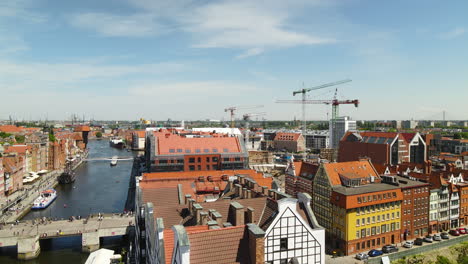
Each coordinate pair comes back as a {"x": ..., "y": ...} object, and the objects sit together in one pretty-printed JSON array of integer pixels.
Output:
[
  {"x": 419, "y": 241},
  {"x": 362, "y": 256},
  {"x": 428, "y": 239},
  {"x": 389, "y": 248},
  {"x": 444, "y": 235},
  {"x": 375, "y": 253},
  {"x": 461, "y": 230},
  {"x": 408, "y": 244},
  {"x": 436, "y": 237},
  {"x": 454, "y": 232}
]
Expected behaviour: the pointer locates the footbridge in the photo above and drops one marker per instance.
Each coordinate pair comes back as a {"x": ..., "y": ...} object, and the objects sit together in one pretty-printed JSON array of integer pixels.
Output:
[
  {"x": 26, "y": 235},
  {"x": 110, "y": 158}
]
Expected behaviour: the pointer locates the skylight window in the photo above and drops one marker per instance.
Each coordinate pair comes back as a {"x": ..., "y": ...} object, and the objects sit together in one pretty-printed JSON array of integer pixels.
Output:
[
  {"x": 187, "y": 151},
  {"x": 225, "y": 150},
  {"x": 171, "y": 150},
  {"x": 206, "y": 150},
  {"x": 179, "y": 150},
  {"x": 215, "y": 150},
  {"x": 197, "y": 150}
]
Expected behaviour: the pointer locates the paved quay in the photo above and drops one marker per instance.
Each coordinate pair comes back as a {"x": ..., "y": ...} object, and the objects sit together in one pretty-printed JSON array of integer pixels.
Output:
[{"x": 19, "y": 203}]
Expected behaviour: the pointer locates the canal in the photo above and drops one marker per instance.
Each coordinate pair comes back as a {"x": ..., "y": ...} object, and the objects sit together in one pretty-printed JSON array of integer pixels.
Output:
[{"x": 99, "y": 188}]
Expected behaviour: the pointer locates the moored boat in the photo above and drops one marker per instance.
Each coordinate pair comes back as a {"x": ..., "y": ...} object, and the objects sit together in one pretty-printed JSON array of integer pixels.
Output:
[
  {"x": 45, "y": 199},
  {"x": 116, "y": 142}
]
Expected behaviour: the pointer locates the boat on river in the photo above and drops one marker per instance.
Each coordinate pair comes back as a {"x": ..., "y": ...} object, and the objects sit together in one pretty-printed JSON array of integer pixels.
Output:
[
  {"x": 114, "y": 161},
  {"x": 116, "y": 142},
  {"x": 45, "y": 199}
]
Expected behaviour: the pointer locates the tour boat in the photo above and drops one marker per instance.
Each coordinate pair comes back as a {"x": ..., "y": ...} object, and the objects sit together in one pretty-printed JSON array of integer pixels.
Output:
[
  {"x": 117, "y": 142},
  {"x": 45, "y": 199},
  {"x": 114, "y": 161}
]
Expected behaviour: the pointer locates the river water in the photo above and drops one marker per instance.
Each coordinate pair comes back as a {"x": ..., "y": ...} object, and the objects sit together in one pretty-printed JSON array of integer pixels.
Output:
[{"x": 98, "y": 188}]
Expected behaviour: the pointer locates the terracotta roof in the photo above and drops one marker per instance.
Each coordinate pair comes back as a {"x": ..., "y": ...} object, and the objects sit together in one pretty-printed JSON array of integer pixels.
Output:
[
  {"x": 140, "y": 133},
  {"x": 168, "y": 245},
  {"x": 287, "y": 136},
  {"x": 169, "y": 143},
  {"x": 252, "y": 174},
  {"x": 362, "y": 169},
  {"x": 408, "y": 136},
  {"x": 82, "y": 129},
  {"x": 305, "y": 169},
  {"x": 222, "y": 246},
  {"x": 21, "y": 149},
  {"x": 10, "y": 129}
]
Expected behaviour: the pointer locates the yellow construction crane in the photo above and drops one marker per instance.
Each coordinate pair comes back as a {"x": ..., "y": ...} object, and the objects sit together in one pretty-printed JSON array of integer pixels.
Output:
[{"x": 232, "y": 110}]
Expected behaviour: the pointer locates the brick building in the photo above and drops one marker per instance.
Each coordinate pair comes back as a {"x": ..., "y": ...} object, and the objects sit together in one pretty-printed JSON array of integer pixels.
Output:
[
  {"x": 299, "y": 177},
  {"x": 2, "y": 180},
  {"x": 383, "y": 147},
  {"x": 14, "y": 171},
  {"x": 291, "y": 142},
  {"x": 166, "y": 151}
]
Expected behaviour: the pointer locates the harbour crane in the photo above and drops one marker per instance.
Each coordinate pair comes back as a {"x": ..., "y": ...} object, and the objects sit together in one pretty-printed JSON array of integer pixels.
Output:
[
  {"x": 247, "y": 117},
  {"x": 232, "y": 110}
]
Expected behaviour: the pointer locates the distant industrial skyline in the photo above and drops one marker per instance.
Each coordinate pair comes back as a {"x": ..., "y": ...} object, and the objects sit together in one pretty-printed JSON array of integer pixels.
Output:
[{"x": 188, "y": 60}]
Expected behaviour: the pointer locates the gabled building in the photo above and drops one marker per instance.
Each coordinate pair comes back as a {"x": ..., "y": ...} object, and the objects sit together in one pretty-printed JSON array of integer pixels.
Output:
[
  {"x": 383, "y": 147},
  {"x": 247, "y": 223},
  {"x": 13, "y": 171},
  {"x": 138, "y": 139},
  {"x": 2, "y": 181},
  {"x": 358, "y": 210},
  {"x": 299, "y": 177},
  {"x": 292, "y": 142},
  {"x": 166, "y": 151}
]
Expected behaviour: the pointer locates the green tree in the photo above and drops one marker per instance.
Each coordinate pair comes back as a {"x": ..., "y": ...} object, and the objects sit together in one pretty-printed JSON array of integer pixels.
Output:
[
  {"x": 20, "y": 138},
  {"x": 99, "y": 134},
  {"x": 457, "y": 136},
  {"x": 4, "y": 135},
  {"x": 52, "y": 136},
  {"x": 462, "y": 252}
]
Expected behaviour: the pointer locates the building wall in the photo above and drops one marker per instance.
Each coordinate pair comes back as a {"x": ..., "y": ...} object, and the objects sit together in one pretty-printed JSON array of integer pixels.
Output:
[
  {"x": 415, "y": 212},
  {"x": 2, "y": 180},
  {"x": 352, "y": 151},
  {"x": 343, "y": 124},
  {"x": 260, "y": 157},
  {"x": 433, "y": 211},
  {"x": 289, "y": 235},
  {"x": 463, "y": 190}
]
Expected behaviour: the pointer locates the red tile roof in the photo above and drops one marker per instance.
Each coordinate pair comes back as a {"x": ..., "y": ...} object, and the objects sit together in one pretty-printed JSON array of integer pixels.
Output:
[
  {"x": 10, "y": 129},
  {"x": 169, "y": 143},
  {"x": 287, "y": 136},
  {"x": 140, "y": 133},
  {"x": 20, "y": 149},
  {"x": 362, "y": 169},
  {"x": 221, "y": 246}
]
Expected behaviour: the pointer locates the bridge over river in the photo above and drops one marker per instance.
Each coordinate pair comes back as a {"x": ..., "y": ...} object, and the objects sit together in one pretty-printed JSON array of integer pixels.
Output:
[{"x": 26, "y": 235}]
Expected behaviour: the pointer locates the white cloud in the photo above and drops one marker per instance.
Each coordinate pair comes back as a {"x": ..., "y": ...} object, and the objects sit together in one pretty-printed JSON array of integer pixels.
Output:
[
  {"x": 252, "y": 26},
  {"x": 454, "y": 33},
  {"x": 139, "y": 25},
  {"x": 20, "y": 9}
]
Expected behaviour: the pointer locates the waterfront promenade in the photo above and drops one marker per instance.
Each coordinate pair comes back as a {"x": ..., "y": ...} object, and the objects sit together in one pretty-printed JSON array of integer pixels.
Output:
[{"x": 19, "y": 203}]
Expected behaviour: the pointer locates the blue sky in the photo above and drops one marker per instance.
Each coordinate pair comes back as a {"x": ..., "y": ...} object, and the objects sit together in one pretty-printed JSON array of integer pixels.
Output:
[{"x": 184, "y": 59}]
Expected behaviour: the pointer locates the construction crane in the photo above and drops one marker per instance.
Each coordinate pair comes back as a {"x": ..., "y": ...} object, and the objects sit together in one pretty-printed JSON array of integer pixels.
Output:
[
  {"x": 232, "y": 110},
  {"x": 335, "y": 109},
  {"x": 303, "y": 91},
  {"x": 247, "y": 117}
]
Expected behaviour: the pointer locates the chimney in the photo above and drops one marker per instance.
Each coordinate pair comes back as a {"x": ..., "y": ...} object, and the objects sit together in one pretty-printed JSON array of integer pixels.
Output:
[
  {"x": 249, "y": 194},
  {"x": 204, "y": 217},
  {"x": 190, "y": 204},
  {"x": 256, "y": 238},
  {"x": 244, "y": 193},
  {"x": 227, "y": 224},
  {"x": 217, "y": 217},
  {"x": 212, "y": 224},
  {"x": 265, "y": 190},
  {"x": 241, "y": 179},
  {"x": 249, "y": 216},
  {"x": 271, "y": 194},
  {"x": 197, "y": 208},
  {"x": 238, "y": 190},
  {"x": 187, "y": 198},
  {"x": 237, "y": 210}
]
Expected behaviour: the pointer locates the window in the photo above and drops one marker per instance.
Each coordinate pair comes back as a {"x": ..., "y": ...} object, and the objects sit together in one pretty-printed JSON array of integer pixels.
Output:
[
  {"x": 357, "y": 235},
  {"x": 237, "y": 159},
  {"x": 179, "y": 150},
  {"x": 215, "y": 150},
  {"x": 283, "y": 244},
  {"x": 215, "y": 159},
  {"x": 187, "y": 151},
  {"x": 364, "y": 199},
  {"x": 206, "y": 150},
  {"x": 357, "y": 222},
  {"x": 283, "y": 261},
  {"x": 197, "y": 150},
  {"x": 199, "y": 159},
  {"x": 208, "y": 167},
  {"x": 207, "y": 159},
  {"x": 191, "y": 160},
  {"x": 359, "y": 199},
  {"x": 199, "y": 167},
  {"x": 192, "y": 167},
  {"x": 225, "y": 150},
  {"x": 171, "y": 150}
]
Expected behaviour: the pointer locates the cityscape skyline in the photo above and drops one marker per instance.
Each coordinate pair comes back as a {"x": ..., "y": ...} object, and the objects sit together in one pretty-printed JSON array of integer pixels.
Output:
[{"x": 188, "y": 60}]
